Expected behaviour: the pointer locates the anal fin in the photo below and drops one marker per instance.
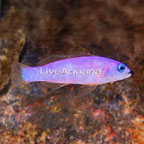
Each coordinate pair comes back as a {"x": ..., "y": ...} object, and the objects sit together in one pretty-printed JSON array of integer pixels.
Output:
[
  {"x": 53, "y": 86},
  {"x": 82, "y": 90}
]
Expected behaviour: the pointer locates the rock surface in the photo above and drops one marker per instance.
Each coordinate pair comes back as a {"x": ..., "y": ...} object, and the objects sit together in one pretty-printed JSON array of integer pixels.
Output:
[{"x": 32, "y": 30}]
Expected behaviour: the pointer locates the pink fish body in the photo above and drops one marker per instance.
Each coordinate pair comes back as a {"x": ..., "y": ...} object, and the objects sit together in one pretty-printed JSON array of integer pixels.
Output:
[{"x": 88, "y": 70}]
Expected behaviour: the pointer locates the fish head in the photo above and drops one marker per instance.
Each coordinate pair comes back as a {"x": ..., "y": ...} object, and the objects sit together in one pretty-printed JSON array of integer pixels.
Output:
[{"x": 118, "y": 71}]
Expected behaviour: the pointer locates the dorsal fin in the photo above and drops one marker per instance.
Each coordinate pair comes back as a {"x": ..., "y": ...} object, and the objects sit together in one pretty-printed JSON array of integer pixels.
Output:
[{"x": 53, "y": 58}]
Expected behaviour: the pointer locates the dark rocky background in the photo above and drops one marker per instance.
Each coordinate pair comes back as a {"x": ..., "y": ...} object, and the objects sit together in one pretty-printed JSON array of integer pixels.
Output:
[{"x": 30, "y": 30}]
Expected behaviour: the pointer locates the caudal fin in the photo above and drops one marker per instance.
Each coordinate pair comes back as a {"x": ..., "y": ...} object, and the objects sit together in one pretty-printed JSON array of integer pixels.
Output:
[{"x": 16, "y": 77}]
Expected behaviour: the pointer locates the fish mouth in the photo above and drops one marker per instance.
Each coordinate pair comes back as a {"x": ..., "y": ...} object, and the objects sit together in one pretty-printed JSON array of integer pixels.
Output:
[{"x": 129, "y": 74}]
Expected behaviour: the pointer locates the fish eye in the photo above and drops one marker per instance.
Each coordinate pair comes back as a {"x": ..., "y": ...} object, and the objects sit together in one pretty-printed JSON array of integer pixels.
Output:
[{"x": 121, "y": 67}]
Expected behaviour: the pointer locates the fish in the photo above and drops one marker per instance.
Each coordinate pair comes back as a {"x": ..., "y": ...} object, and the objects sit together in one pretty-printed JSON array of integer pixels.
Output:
[{"x": 89, "y": 71}]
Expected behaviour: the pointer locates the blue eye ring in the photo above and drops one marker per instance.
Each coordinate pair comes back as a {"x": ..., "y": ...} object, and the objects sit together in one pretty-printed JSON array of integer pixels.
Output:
[{"x": 121, "y": 67}]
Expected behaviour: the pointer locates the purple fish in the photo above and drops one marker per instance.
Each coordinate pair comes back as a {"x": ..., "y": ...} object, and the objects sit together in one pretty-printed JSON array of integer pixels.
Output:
[{"x": 85, "y": 70}]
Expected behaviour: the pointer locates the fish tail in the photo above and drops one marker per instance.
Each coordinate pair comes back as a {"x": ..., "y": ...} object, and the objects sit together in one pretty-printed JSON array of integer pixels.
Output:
[{"x": 17, "y": 75}]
